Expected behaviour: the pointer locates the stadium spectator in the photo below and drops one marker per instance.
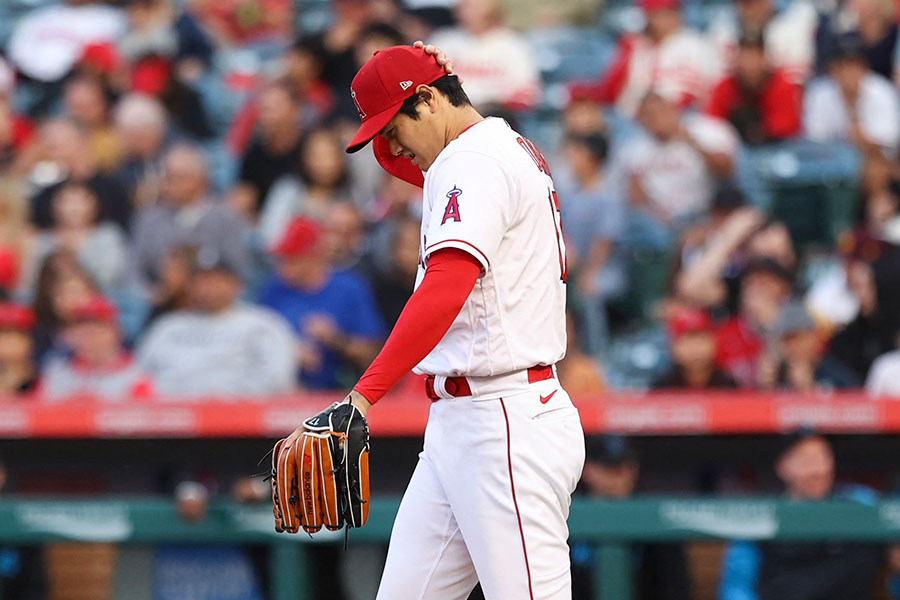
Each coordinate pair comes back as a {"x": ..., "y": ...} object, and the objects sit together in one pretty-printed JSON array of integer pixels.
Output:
[
  {"x": 274, "y": 150},
  {"x": 303, "y": 70},
  {"x": 692, "y": 338},
  {"x": 61, "y": 286},
  {"x": 344, "y": 239},
  {"x": 868, "y": 334},
  {"x": 220, "y": 346},
  {"x": 141, "y": 127},
  {"x": 828, "y": 570},
  {"x": 47, "y": 42},
  {"x": 99, "y": 367},
  {"x": 594, "y": 214},
  {"x": 319, "y": 179},
  {"x": 395, "y": 285},
  {"x": 789, "y": 30},
  {"x": 18, "y": 372},
  {"x": 713, "y": 260},
  {"x": 765, "y": 287},
  {"x": 101, "y": 247},
  {"x": 496, "y": 63},
  {"x": 186, "y": 214},
  {"x": 884, "y": 376},
  {"x": 797, "y": 360},
  {"x": 69, "y": 158},
  {"x": 659, "y": 570},
  {"x": 672, "y": 169},
  {"x": 759, "y": 100},
  {"x": 245, "y": 24},
  {"x": 157, "y": 27},
  {"x": 666, "y": 57},
  {"x": 87, "y": 104},
  {"x": 874, "y": 21},
  {"x": 852, "y": 103},
  {"x": 332, "y": 312}
]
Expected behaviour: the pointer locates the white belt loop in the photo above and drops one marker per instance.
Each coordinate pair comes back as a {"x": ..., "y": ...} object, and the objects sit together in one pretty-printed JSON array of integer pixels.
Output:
[{"x": 440, "y": 387}]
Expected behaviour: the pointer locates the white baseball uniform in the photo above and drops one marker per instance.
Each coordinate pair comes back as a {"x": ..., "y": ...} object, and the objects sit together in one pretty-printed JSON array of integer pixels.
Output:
[{"x": 490, "y": 495}]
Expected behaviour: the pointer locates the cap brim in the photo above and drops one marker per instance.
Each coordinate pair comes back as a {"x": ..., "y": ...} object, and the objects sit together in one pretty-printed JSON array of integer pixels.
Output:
[{"x": 371, "y": 126}]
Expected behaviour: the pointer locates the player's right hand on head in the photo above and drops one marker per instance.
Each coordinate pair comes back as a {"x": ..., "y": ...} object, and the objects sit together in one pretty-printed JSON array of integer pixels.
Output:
[{"x": 439, "y": 55}]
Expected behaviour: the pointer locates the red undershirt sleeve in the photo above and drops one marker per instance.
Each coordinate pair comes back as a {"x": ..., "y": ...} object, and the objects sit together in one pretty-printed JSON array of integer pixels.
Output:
[{"x": 429, "y": 313}]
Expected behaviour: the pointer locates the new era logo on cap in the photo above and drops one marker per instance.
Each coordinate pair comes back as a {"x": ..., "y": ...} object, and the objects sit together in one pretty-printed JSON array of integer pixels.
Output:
[{"x": 384, "y": 83}]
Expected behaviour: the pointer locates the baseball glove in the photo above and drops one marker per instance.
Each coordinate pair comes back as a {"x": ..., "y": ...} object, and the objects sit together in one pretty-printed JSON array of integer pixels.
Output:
[{"x": 322, "y": 478}]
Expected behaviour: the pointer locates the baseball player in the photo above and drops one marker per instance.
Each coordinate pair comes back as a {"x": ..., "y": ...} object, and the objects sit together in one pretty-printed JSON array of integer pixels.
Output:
[{"x": 504, "y": 447}]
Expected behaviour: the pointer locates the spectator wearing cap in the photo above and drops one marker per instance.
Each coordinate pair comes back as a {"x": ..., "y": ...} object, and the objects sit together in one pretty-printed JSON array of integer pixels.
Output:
[
  {"x": 765, "y": 287},
  {"x": 496, "y": 63},
  {"x": 611, "y": 471},
  {"x": 333, "y": 312},
  {"x": 692, "y": 339},
  {"x": 828, "y": 570},
  {"x": 219, "y": 346},
  {"x": 187, "y": 214},
  {"x": 99, "y": 367},
  {"x": 758, "y": 99},
  {"x": 789, "y": 30},
  {"x": 595, "y": 216},
  {"x": 672, "y": 170},
  {"x": 666, "y": 57},
  {"x": 852, "y": 103},
  {"x": 797, "y": 360},
  {"x": 18, "y": 372}
]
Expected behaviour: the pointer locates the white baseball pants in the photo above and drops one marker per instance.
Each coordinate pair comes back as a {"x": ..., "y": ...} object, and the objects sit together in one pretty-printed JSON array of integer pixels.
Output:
[{"x": 489, "y": 500}]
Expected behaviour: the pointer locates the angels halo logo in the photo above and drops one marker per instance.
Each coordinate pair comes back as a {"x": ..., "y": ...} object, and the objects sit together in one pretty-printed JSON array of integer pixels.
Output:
[{"x": 362, "y": 113}]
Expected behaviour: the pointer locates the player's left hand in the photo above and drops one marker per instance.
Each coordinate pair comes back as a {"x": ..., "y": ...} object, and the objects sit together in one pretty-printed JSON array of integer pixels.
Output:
[
  {"x": 439, "y": 55},
  {"x": 320, "y": 472}
]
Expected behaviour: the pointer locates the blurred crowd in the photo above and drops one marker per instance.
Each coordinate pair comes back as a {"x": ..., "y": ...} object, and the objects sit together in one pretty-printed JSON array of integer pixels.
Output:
[{"x": 179, "y": 217}]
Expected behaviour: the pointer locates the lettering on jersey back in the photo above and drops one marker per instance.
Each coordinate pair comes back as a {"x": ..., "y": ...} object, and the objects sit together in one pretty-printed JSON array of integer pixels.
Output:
[
  {"x": 452, "y": 210},
  {"x": 535, "y": 154}
]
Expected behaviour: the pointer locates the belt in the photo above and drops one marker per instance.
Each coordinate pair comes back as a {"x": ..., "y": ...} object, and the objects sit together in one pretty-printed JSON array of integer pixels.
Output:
[{"x": 459, "y": 386}]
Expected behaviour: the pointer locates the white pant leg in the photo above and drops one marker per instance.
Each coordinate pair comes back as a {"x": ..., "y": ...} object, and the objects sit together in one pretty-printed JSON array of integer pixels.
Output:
[
  {"x": 509, "y": 467},
  {"x": 427, "y": 557}
]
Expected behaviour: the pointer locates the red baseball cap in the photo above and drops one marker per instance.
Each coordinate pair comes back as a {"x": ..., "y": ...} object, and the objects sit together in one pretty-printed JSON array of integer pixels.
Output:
[
  {"x": 687, "y": 320},
  {"x": 301, "y": 238},
  {"x": 384, "y": 83},
  {"x": 651, "y": 5},
  {"x": 14, "y": 316},
  {"x": 96, "y": 308}
]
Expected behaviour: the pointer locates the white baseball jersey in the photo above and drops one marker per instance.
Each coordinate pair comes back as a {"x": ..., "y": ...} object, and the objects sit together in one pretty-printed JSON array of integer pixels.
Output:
[{"x": 489, "y": 193}]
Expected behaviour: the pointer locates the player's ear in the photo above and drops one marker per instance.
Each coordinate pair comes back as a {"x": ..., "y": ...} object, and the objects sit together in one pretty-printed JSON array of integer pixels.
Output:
[{"x": 426, "y": 96}]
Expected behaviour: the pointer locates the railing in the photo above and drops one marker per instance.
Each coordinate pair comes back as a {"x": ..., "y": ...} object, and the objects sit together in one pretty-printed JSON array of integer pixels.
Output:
[
  {"x": 405, "y": 414},
  {"x": 611, "y": 524}
]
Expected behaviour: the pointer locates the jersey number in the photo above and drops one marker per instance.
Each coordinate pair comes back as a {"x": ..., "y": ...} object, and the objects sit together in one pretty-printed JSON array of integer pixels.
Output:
[
  {"x": 538, "y": 159},
  {"x": 557, "y": 224}
]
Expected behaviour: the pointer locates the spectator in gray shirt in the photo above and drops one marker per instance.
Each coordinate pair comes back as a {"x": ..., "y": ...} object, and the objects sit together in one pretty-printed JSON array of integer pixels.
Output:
[
  {"x": 220, "y": 346},
  {"x": 187, "y": 215}
]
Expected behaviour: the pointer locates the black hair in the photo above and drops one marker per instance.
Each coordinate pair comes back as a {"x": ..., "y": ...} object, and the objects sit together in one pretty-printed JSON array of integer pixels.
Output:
[
  {"x": 448, "y": 85},
  {"x": 384, "y": 30}
]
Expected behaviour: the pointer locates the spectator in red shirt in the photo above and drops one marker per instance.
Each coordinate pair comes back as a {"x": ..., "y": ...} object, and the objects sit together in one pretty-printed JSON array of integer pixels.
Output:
[
  {"x": 99, "y": 367},
  {"x": 758, "y": 99},
  {"x": 692, "y": 334},
  {"x": 765, "y": 288}
]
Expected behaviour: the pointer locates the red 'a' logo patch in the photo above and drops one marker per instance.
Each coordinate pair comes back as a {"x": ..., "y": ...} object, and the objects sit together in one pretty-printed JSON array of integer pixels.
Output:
[
  {"x": 362, "y": 113},
  {"x": 452, "y": 210}
]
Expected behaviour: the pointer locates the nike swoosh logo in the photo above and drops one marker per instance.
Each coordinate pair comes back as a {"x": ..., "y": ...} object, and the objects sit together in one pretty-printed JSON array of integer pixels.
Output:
[{"x": 546, "y": 399}]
